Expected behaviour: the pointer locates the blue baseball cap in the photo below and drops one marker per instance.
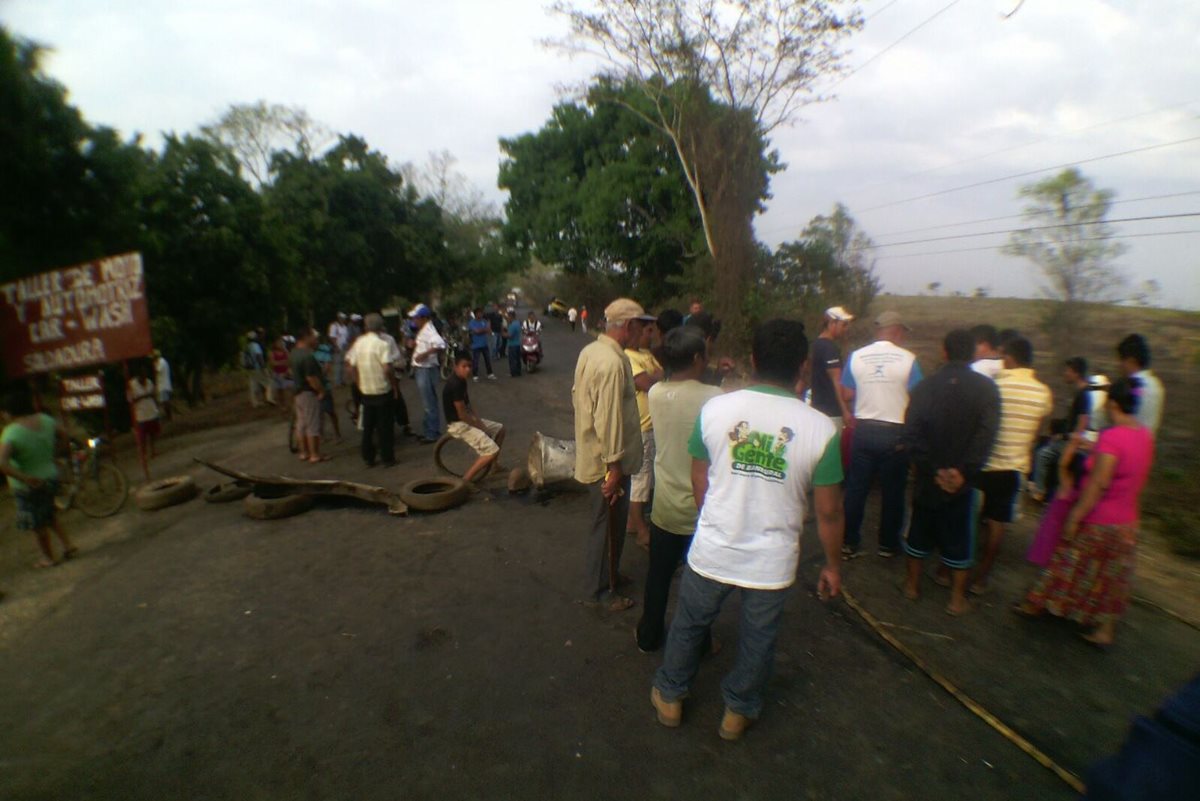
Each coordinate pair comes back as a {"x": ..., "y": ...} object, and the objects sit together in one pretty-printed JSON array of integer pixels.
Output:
[{"x": 420, "y": 310}]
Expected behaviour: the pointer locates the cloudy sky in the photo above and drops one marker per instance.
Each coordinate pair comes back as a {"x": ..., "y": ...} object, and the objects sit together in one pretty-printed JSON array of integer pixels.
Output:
[{"x": 969, "y": 98}]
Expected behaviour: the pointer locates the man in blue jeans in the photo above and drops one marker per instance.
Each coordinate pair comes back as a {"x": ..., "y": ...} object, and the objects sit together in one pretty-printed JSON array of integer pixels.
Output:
[
  {"x": 428, "y": 349},
  {"x": 755, "y": 455},
  {"x": 878, "y": 378}
]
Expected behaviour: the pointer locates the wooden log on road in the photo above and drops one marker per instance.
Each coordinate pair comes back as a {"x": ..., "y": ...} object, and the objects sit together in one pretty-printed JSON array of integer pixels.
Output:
[{"x": 323, "y": 486}]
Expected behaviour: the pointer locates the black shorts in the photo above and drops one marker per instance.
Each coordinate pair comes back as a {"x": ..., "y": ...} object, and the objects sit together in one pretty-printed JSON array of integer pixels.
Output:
[
  {"x": 949, "y": 527},
  {"x": 1000, "y": 489}
]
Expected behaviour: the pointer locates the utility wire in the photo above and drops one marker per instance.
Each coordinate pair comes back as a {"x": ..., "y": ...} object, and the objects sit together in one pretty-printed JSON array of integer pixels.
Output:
[
  {"x": 1030, "y": 143},
  {"x": 995, "y": 247},
  {"x": 1032, "y": 172},
  {"x": 1031, "y": 228},
  {"x": 879, "y": 11},
  {"x": 1019, "y": 216},
  {"x": 882, "y": 52}
]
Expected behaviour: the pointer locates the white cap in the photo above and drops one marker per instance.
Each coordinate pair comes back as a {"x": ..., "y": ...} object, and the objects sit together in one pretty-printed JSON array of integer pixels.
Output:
[{"x": 839, "y": 313}]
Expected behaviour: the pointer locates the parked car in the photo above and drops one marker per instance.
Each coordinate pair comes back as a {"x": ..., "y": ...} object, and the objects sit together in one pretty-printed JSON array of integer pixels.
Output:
[{"x": 556, "y": 308}]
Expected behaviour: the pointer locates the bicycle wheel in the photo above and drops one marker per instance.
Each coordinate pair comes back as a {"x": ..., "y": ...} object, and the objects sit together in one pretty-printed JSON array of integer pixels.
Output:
[{"x": 102, "y": 492}]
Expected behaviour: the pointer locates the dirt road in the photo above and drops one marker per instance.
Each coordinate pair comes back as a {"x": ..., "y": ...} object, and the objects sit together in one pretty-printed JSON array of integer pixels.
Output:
[{"x": 195, "y": 654}]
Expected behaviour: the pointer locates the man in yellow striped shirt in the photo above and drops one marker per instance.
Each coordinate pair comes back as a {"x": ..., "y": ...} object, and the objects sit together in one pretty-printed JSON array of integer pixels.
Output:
[{"x": 1025, "y": 407}]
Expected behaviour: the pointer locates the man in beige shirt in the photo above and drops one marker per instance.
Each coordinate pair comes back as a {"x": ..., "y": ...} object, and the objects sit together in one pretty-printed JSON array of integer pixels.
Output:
[
  {"x": 370, "y": 359},
  {"x": 608, "y": 439}
]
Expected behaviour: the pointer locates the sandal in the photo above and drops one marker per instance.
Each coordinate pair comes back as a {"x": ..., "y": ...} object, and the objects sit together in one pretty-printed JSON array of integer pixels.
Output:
[
  {"x": 44, "y": 563},
  {"x": 318, "y": 460},
  {"x": 70, "y": 552}
]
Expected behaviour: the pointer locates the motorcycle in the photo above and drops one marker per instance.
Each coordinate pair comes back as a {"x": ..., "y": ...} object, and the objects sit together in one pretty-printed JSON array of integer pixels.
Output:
[{"x": 531, "y": 350}]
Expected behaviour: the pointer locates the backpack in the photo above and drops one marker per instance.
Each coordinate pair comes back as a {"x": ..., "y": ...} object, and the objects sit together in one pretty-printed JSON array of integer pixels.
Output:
[{"x": 248, "y": 358}]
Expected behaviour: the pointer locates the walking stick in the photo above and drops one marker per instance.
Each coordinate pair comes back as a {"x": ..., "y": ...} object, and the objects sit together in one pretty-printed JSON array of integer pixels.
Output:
[{"x": 612, "y": 540}]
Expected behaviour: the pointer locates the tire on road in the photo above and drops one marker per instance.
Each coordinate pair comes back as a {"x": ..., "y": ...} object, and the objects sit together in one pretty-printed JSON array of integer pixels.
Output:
[
  {"x": 435, "y": 494},
  {"x": 165, "y": 492},
  {"x": 439, "y": 458},
  {"x": 272, "y": 506},
  {"x": 228, "y": 492}
]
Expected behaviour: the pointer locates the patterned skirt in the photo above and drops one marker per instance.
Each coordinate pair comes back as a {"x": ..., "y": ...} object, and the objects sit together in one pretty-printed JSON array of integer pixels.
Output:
[{"x": 1088, "y": 579}]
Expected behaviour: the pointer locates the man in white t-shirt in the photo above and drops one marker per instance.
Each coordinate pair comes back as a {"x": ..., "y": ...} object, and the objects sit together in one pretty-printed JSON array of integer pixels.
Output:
[
  {"x": 427, "y": 366},
  {"x": 162, "y": 382},
  {"x": 878, "y": 379},
  {"x": 756, "y": 454},
  {"x": 572, "y": 317},
  {"x": 339, "y": 339},
  {"x": 1134, "y": 355},
  {"x": 989, "y": 360}
]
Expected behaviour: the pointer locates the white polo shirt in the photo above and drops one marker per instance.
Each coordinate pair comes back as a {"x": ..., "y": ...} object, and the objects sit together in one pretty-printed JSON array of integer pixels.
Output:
[{"x": 881, "y": 375}]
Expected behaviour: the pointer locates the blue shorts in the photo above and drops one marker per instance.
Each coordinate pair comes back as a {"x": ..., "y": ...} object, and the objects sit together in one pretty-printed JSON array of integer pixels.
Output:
[
  {"x": 35, "y": 507},
  {"x": 950, "y": 528}
]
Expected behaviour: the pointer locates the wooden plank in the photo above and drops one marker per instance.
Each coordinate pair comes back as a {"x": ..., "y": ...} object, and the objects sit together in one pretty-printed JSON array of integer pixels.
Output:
[{"x": 324, "y": 486}]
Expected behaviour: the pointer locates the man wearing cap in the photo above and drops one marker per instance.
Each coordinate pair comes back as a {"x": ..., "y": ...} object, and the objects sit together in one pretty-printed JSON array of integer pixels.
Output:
[
  {"x": 429, "y": 347},
  {"x": 878, "y": 379},
  {"x": 339, "y": 340},
  {"x": 826, "y": 363},
  {"x": 608, "y": 441}
]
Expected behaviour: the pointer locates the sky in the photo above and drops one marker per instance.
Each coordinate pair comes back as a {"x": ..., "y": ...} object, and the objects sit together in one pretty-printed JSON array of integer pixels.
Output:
[{"x": 971, "y": 97}]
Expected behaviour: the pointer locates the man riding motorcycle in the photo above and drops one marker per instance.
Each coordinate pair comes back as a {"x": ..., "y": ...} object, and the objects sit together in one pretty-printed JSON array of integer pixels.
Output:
[{"x": 531, "y": 342}]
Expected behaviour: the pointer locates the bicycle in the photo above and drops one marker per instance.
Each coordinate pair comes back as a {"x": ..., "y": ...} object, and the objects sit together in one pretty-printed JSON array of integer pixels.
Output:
[{"x": 98, "y": 489}]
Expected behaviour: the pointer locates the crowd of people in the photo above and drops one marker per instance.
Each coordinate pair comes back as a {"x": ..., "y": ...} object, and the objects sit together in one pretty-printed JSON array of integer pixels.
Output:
[
  {"x": 300, "y": 373},
  {"x": 729, "y": 478}
]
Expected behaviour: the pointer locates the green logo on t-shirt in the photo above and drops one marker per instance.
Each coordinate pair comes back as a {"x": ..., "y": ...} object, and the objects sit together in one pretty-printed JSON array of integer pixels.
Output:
[{"x": 757, "y": 454}]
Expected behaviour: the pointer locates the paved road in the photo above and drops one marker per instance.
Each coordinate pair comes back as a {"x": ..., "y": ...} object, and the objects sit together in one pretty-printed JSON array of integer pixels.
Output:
[{"x": 194, "y": 654}]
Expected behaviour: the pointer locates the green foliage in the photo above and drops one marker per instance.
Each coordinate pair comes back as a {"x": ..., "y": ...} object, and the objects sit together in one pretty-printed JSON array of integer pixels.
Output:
[
  {"x": 318, "y": 231},
  {"x": 598, "y": 189},
  {"x": 829, "y": 265},
  {"x": 1070, "y": 243}
]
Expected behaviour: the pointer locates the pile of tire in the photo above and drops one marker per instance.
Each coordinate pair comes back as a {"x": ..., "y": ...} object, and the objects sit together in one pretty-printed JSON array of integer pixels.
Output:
[
  {"x": 274, "y": 503},
  {"x": 165, "y": 492}
]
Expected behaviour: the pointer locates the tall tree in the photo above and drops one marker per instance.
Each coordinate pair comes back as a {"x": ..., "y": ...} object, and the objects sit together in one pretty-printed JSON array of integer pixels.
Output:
[
  {"x": 206, "y": 274},
  {"x": 719, "y": 76},
  {"x": 599, "y": 191},
  {"x": 71, "y": 191},
  {"x": 255, "y": 132},
  {"x": 829, "y": 265},
  {"x": 1070, "y": 242}
]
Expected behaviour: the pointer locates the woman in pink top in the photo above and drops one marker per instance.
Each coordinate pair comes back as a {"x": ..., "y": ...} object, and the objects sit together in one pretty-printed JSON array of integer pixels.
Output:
[{"x": 1089, "y": 575}]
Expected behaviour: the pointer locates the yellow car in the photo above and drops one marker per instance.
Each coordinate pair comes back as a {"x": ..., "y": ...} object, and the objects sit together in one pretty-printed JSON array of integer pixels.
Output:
[{"x": 556, "y": 308}]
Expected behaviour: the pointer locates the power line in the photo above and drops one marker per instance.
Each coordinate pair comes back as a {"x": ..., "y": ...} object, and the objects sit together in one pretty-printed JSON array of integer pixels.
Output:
[
  {"x": 1032, "y": 172},
  {"x": 994, "y": 247},
  {"x": 879, "y": 11},
  {"x": 998, "y": 219},
  {"x": 1019, "y": 216},
  {"x": 1030, "y": 143},
  {"x": 882, "y": 52},
  {"x": 1032, "y": 228}
]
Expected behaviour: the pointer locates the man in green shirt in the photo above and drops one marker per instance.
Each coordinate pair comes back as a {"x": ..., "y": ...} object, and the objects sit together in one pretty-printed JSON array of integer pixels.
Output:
[
  {"x": 674, "y": 406},
  {"x": 27, "y": 458}
]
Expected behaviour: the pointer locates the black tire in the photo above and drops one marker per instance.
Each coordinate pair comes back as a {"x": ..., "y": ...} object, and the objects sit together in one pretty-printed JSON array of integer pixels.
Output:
[
  {"x": 102, "y": 494},
  {"x": 261, "y": 507},
  {"x": 228, "y": 492},
  {"x": 435, "y": 494},
  {"x": 165, "y": 492},
  {"x": 440, "y": 458}
]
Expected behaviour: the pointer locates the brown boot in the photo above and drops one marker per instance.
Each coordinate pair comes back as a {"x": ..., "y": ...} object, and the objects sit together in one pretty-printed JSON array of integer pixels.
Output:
[
  {"x": 670, "y": 713},
  {"x": 733, "y": 725}
]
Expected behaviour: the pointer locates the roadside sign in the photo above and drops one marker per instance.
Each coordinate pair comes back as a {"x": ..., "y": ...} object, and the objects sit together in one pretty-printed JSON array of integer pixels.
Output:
[
  {"x": 83, "y": 393},
  {"x": 89, "y": 314}
]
